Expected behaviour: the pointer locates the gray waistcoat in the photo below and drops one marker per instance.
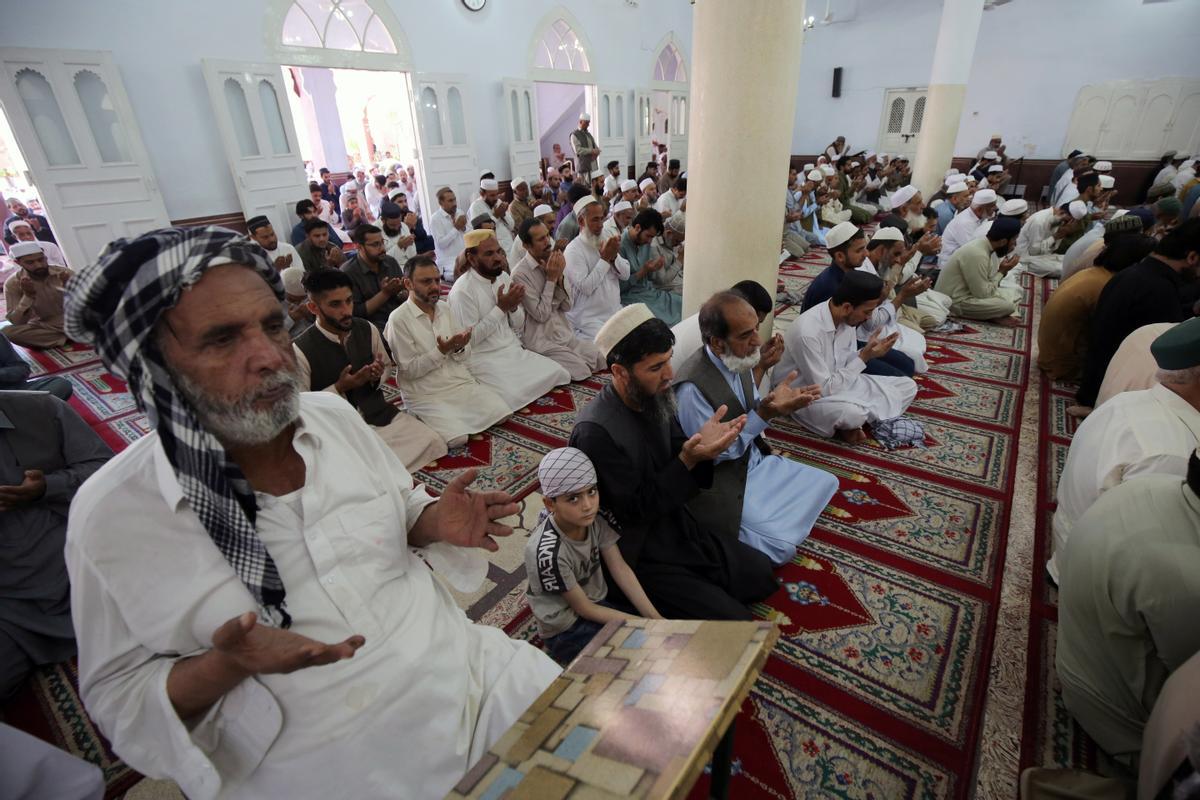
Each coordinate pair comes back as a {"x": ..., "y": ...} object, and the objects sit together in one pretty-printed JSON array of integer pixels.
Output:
[
  {"x": 327, "y": 359},
  {"x": 721, "y": 506}
]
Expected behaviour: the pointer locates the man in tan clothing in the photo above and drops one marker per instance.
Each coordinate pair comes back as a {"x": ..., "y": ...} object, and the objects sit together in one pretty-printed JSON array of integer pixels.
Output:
[{"x": 34, "y": 299}]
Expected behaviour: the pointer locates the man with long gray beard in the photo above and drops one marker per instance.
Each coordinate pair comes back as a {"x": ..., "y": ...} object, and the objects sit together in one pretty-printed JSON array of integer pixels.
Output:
[
  {"x": 765, "y": 501},
  {"x": 594, "y": 271},
  {"x": 649, "y": 470},
  {"x": 259, "y": 533}
]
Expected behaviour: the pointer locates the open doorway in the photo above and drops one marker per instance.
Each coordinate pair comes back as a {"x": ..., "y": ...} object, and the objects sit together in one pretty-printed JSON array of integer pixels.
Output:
[
  {"x": 660, "y": 124},
  {"x": 347, "y": 118},
  {"x": 559, "y": 106}
]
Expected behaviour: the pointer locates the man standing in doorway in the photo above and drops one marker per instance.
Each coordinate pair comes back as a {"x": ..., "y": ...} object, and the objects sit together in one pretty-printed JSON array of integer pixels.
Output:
[{"x": 585, "y": 147}]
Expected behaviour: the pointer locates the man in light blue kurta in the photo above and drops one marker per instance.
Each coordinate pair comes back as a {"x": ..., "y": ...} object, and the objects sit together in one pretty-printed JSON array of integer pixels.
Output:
[
  {"x": 640, "y": 287},
  {"x": 770, "y": 503}
]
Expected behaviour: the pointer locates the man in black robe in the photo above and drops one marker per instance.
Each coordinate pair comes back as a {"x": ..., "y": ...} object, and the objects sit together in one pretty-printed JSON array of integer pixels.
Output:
[
  {"x": 648, "y": 471},
  {"x": 1153, "y": 290}
]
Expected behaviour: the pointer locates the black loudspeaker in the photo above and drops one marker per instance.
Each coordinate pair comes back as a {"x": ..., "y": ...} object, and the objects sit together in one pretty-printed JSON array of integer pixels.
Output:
[{"x": 837, "y": 81}]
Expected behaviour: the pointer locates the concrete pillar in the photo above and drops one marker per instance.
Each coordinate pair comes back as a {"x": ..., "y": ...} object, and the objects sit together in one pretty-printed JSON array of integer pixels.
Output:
[
  {"x": 947, "y": 87},
  {"x": 321, "y": 116},
  {"x": 745, "y": 71}
]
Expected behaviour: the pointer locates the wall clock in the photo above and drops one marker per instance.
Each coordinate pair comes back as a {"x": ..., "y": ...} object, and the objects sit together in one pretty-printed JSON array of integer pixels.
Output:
[{"x": 474, "y": 5}]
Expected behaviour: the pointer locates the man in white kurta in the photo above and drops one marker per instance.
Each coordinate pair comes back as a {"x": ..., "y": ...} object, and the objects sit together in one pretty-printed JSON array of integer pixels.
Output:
[
  {"x": 886, "y": 244},
  {"x": 1147, "y": 432},
  {"x": 432, "y": 352},
  {"x": 398, "y": 239},
  {"x": 447, "y": 227},
  {"x": 155, "y": 587},
  {"x": 1043, "y": 234},
  {"x": 22, "y": 231},
  {"x": 594, "y": 272},
  {"x": 489, "y": 203},
  {"x": 486, "y": 300},
  {"x": 822, "y": 347},
  {"x": 671, "y": 201},
  {"x": 962, "y": 228}
]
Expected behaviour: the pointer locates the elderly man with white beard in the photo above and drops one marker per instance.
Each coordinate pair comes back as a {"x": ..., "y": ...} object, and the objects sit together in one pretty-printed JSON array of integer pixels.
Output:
[
  {"x": 770, "y": 503},
  {"x": 594, "y": 271},
  {"x": 258, "y": 533},
  {"x": 489, "y": 203}
]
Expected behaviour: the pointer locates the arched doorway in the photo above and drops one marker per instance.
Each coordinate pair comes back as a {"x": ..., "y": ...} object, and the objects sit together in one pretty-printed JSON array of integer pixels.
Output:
[{"x": 663, "y": 111}]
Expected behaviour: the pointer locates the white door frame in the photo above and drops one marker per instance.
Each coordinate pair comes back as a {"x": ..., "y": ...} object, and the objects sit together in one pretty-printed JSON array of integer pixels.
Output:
[
  {"x": 892, "y": 146},
  {"x": 448, "y": 163},
  {"x": 519, "y": 99}
]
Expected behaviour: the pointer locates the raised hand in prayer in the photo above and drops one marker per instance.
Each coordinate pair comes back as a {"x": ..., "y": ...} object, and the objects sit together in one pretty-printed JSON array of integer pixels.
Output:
[
  {"x": 469, "y": 519},
  {"x": 29, "y": 491},
  {"x": 410, "y": 220},
  {"x": 785, "y": 398},
  {"x": 392, "y": 286},
  {"x": 556, "y": 264},
  {"x": 912, "y": 288},
  {"x": 460, "y": 222},
  {"x": 333, "y": 256},
  {"x": 609, "y": 249},
  {"x": 877, "y": 346},
  {"x": 713, "y": 438},
  {"x": 561, "y": 244},
  {"x": 351, "y": 379},
  {"x": 283, "y": 262},
  {"x": 929, "y": 244},
  {"x": 455, "y": 343},
  {"x": 510, "y": 301},
  {"x": 771, "y": 352},
  {"x": 253, "y": 649},
  {"x": 1008, "y": 263}
]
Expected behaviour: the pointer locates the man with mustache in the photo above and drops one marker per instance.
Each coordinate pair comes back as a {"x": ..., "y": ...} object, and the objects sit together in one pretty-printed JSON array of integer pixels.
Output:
[
  {"x": 648, "y": 470},
  {"x": 250, "y": 617},
  {"x": 594, "y": 271},
  {"x": 33, "y": 296}
]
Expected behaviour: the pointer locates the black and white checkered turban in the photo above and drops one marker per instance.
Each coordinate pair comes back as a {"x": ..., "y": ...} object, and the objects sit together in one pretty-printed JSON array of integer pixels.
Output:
[{"x": 115, "y": 304}]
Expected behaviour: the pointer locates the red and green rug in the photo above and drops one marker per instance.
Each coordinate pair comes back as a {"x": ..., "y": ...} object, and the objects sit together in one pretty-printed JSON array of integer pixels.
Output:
[{"x": 877, "y": 686}]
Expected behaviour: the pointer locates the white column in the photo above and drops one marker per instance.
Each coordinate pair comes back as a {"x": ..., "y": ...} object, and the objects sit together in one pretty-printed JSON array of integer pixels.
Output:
[
  {"x": 745, "y": 70},
  {"x": 321, "y": 117},
  {"x": 947, "y": 87}
]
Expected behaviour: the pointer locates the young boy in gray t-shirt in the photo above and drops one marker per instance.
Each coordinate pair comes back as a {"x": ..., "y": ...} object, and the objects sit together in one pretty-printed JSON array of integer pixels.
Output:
[{"x": 562, "y": 559}]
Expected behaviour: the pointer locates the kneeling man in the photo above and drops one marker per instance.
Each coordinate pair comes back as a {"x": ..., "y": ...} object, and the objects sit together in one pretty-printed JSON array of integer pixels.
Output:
[
  {"x": 250, "y": 618},
  {"x": 766, "y": 501},
  {"x": 972, "y": 276}
]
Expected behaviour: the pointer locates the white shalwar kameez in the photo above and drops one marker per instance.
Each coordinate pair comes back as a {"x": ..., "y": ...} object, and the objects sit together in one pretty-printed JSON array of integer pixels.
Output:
[
  {"x": 447, "y": 242},
  {"x": 595, "y": 286},
  {"x": 957, "y": 233},
  {"x": 827, "y": 355},
  {"x": 884, "y": 321},
  {"x": 498, "y": 360},
  {"x": 505, "y": 230},
  {"x": 391, "y": 245},
  {"x": 1036, "y": 244},
  {"x": 415, "y": 708},
  {"x": 438, "y": 387}
]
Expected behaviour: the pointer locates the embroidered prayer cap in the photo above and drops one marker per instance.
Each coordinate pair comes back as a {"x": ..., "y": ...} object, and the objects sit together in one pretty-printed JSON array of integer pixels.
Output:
[
  {"x": 888, "y": 234},
  {"x": 956, "y": 187},
  {"x": 645, "y": 183},
  {"x": 623, "y": 205},
  {"x": 1107, "y": 181},
  {"x": 903, "y": 195},
  {"x": 1013, "y": 208},
  {"x": 1179, "y": 347},
  {"x": 815, "y": 175},
  {"x": 583, "y": 203},
  {"x": 542, "y": 209},
  {"x": 474, "y": 238},
  {"x": 620, "y": 325},
  {"x": 1102, "y": 166},
  {"x": 990, "y": 155},
  {"x": 18, "y": 223},
  {"x": 840, "y": 234},
  {"x": 1125, "y": 223},
  {"x": 293, "y": 280},
  {"x": 585, "y": 117},
  {"x": 254, "y": 223},
  {"x": 489, "y": 185},
  {"x": 983, "y": 197},
  {"x": 996, "y": 168},
  {"x": 828, "y": 171},
  {"x": 628, "y": 184},
  {"x": 116, "y": 304},
  {"x": 22, "y": 249},
  {"x": 676, "y": 222},
  {"x": 564, "y": 471},
  {"x": 517, "y": 181}
]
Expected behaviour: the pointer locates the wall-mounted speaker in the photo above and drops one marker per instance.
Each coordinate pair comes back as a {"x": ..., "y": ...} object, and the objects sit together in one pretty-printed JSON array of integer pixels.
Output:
[{"x": 837, "y": 81}]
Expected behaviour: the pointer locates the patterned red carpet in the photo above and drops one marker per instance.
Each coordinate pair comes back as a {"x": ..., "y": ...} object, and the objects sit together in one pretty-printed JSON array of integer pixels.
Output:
[{"x": 888, "y": 613}]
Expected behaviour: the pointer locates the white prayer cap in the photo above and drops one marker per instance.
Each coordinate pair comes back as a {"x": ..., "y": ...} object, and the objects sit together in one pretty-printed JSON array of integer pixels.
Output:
[
  {"x": 970, "y": 178},
  {"x": 903, "y": 195},
  {"x": 515, "y": 182},
  {"x": 854, "y": 164},
  {"x": 22, "y": 249},
  {"x": 1013, "y": 208},
  {"x": 293, "y": 280},
  {"x": 995, "y": 168},
  {"x": 869, "y": 154},
  {"x": 489, "y": 185},
  {"x": 937, "y": 203},
  {"x": 1107, "y": 181},
  {"x": 623, "y": 205},
  {"x": 542, "y": 209},
  {"x": 990, "y": 154},
  {"x": 951, "y": 171},
  {"x": 809, "y": 167},
  {"x": 1102, "y": 166},
  {"x": 585, "y": 117},
  {"x": 646, "y": 182},
  {"x": 394, "y": 193},
  {"x": 564, "y": 471},
  {"x": 815, "y": 175},
  {"x": 828, "y": 171},
  {"x": 628, "y": 184},
  {"x": 1078, "y": 209},
  {"x": 18, "y": 223},
  {"x": 620, "y": 325},
  {"x": 983, "y": 197},
  {"x": 883, "y": 155},
  {"x": 888, "y": 234},
  {"x": 956, "y": 187},
  {"x": 840, "y": 234},
  {"x": 582, "y": 203}
]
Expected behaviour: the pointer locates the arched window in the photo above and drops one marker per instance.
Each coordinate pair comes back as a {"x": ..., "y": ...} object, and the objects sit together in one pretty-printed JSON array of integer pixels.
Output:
[
  {"x": 336, "y": 25},
  {"x": 896, "y": 116},
  {"x": 42, "y": 107},
  {"x": 918, "y": 114},
  {"x": 106, "y": 127},
  {"x": 561, "y": 49},
  {"x": 669, "y": 66}
]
